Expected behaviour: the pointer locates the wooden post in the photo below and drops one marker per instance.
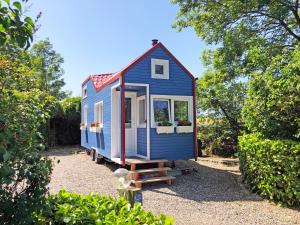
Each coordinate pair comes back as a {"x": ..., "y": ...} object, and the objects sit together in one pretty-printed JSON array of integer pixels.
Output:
[
  {"x": 123, "y": 119},
  {"x": 195, "y": 120}
]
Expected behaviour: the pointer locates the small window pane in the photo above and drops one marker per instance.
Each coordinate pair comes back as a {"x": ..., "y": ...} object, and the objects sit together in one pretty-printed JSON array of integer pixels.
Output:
[
  {"x": 181, "y": 111},
  {"x": 142, "y": 114},
  {"x": 99, "y": 113},
  {"x": 128, "y": 112},
  {"x": 159, "y": 69},
  {"x": 85, "y": 112},
  {"x": 161, "y": 110}
]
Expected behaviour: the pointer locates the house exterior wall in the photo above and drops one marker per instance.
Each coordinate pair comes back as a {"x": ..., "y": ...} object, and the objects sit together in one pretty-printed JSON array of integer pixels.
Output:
[
  {"x": 142, "y": 141},
  {"x": 100, "y": 141},
  {"x": 163, "y": 146}
]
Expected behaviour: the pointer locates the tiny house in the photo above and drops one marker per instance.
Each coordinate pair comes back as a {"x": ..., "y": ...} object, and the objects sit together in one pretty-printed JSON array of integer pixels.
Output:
[{"x": 145, "y": 111}]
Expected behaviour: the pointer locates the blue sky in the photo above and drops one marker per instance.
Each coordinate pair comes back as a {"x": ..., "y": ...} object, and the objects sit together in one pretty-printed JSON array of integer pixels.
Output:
[{"x": 98, "y": 36}]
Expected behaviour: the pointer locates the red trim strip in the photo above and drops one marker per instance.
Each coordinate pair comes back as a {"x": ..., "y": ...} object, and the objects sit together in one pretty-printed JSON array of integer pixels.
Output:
[
  {"x": 123, "y": 119},
  {"x": 137, "y": 60},
  {"x": 195, "y": 120}
]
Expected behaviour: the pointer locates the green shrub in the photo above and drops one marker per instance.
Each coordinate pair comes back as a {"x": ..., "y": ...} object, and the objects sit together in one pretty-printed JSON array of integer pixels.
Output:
[
  {"x": 271, "y": 167},
  {"x": 71, "y": 208}
]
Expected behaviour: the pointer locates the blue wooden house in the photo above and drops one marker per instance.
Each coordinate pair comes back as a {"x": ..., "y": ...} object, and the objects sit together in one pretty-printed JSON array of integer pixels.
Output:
[{"x": 145, "y": 111}]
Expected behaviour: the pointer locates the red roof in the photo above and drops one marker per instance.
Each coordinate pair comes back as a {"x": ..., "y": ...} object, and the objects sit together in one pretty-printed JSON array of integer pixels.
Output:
[{"x": 102, "y": 80}]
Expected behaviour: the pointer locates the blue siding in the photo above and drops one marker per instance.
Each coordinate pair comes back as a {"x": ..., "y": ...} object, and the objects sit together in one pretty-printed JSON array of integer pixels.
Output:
[
  {"x": 100, "y": 141},
  {"x": 171, "y": 146},
  {"x": 142, "y": 141},
  {"x": 179, "y": 82},
  {"x": 164, "y": 146}
]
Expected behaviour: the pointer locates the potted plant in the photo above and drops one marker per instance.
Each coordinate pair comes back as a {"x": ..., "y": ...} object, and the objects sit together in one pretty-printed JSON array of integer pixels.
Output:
[
  {"x": 164, "y": 127},
  {"x": 82, "y": 126},
  {"x": 96, "y": 127},
  {"x": 184, "y": 127}
]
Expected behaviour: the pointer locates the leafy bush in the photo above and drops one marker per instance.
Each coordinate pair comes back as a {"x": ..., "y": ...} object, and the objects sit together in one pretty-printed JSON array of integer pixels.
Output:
[
  {"x": 271, "y": 167},
  {"x": 273, "y": 99},
  {"x": 24, "y": 170},
  {"x": 216, "y": 136},
  {"x": 71, "y": 208},
  {"x": 164, "y": 124},
  {"x": 66, "y": 121}
]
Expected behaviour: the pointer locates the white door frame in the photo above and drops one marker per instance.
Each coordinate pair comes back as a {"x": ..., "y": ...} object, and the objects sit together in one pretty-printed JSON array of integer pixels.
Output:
[
  {"x": 115, "y": 120},
  {"x": 132, "y": 139}
]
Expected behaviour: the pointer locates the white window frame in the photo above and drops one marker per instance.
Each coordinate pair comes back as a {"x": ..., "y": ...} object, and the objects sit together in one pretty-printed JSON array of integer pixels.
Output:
[
  {"x": 100, "y": 111},
  {"x": 171, "y": 99},
  {"x": 85, "y": 114},
  {"x": 162, "y": 62},
  {"x": 84, "y": 91},
  {"x": 141, "y": 125},
  {"x": 159, "y": 98}
]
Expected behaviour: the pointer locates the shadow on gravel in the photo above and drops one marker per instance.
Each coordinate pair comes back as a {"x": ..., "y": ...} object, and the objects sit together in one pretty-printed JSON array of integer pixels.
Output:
[
  {"x": 64, "y": 151},
  {"x": 206, "y": 184}
]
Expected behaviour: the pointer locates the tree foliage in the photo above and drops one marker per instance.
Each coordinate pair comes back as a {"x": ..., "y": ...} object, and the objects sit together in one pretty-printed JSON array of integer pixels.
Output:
[
  {"x": 24, "y": 108},
  {"x": 251, "y": 38},
  {"x": 222, "y": 99},
  {"x": 66, "y": 121},
  {"x": 47, "y": 64},
  {"x": 24, "y": 172},
  {"x": 273, "y": 99},
  {"x": 15, "y": 27}
]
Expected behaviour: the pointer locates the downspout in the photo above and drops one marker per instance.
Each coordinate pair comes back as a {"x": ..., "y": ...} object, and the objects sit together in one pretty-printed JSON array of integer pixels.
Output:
[
  {"x": 123, "y": 119},
  {"x": 195, "y": 120}
]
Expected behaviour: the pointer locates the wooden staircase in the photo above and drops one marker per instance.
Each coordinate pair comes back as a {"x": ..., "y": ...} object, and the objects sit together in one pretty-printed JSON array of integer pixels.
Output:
[{"x": 157, "y": 173}]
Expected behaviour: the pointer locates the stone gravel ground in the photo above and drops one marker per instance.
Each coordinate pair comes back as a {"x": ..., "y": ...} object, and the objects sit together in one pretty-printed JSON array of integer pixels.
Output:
[{"x": 212, "y": 194}]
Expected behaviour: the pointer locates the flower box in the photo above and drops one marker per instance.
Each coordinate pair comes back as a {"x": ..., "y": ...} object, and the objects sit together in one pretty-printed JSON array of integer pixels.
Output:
[
  {"x": 164, "y": 129},
  {"x": 96, "y": 127},
  {"x": 82, "y": 126},
  {"x": 184, "y": 129}
]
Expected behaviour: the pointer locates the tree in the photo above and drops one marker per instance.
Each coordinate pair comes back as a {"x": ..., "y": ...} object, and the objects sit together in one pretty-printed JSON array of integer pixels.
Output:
[
  {"x": 15, "y": 28},
  {"x": 272, "y": 106},
  {"x": 47, "y": 64},
  {"x": 276, "y": 21},
  {"x": 222, "y": 99},
  {"x": 248, "y": 35},
  {"x": 24, "y": 170}
]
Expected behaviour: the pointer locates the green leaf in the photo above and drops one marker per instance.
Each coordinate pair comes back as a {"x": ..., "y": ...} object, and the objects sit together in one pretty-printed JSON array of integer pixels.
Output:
[{"x": 18, "y": 6}]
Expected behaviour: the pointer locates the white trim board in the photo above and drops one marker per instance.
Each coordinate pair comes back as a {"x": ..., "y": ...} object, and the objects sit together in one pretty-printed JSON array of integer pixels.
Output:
[{"x": 148, "y": 113}]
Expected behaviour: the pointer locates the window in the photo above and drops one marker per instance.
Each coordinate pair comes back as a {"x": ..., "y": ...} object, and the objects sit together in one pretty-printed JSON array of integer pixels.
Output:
[
  {"x": 159, "y": 69},
  {"x": 98, "y": 112},
  {"x": 85, "y": 114},
  {"x": 161, "y": 110},
  {"x": 171, "y": 108},
  {"x": 84, "y": 92},
  {"x": 142, "y": 111},
  {"x": 128, "y": 112},
  {"x": 181, "y": 111}
]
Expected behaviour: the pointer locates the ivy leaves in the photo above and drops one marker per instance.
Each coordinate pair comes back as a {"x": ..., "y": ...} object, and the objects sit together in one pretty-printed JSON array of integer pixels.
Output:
[{"x": 15, "y": 28}]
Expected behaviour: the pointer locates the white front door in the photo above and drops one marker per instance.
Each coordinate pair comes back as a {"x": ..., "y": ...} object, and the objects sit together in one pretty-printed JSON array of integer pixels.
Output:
[{"x": 130, "y": 122}]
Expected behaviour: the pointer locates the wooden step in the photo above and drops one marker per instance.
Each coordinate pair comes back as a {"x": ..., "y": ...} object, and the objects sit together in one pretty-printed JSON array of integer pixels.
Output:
[
  {"x": 138, "y": 183},
  {"x": 141, "y": 161},
  {"x": 151, "y": 170}
]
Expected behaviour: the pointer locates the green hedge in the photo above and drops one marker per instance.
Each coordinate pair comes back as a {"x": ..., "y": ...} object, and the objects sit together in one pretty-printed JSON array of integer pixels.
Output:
[
  {"x": 271, "y": 167},
  {"x": 71, "y": 208}
]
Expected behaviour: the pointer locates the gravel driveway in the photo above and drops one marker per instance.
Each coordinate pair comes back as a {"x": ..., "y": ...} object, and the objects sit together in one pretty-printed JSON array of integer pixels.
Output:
[{"x": 212, "y": 195}]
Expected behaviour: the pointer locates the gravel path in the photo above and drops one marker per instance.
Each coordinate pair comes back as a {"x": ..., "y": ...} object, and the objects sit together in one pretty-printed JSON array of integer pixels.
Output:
[{"x": 212, "y": 195}]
